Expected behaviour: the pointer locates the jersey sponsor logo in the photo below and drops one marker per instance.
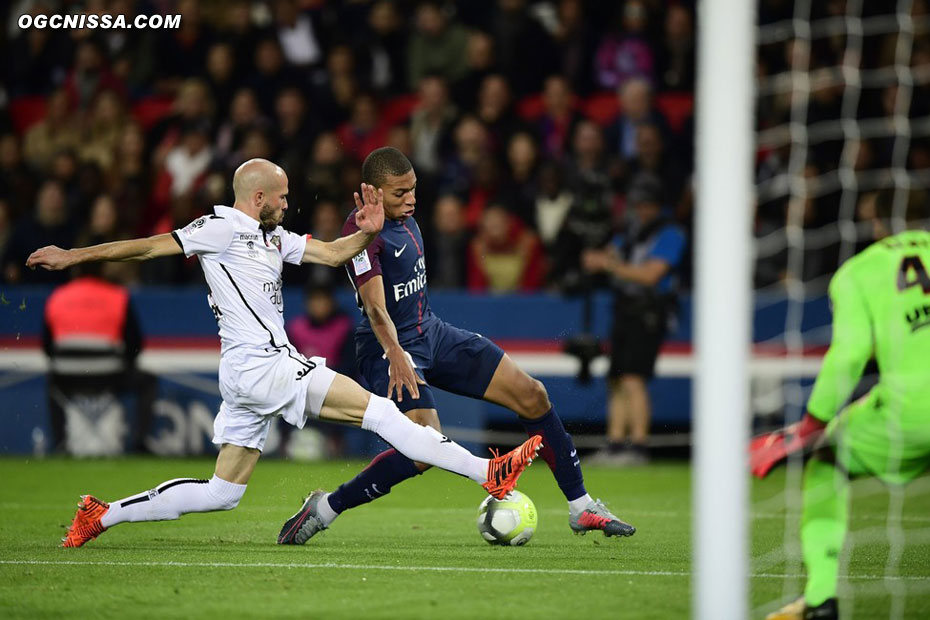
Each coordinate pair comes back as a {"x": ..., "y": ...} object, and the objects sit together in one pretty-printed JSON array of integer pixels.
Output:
[
  {"x": 397, "y": 253},
  {"x": 415, "y": 285},
  {"x": 250, "y": 239},
  {"x": 274, "y": 288},
  {"x": 919, "y": 317},
  {"x": 410, "y": 287},
  {"x": 361, "y": 263}
]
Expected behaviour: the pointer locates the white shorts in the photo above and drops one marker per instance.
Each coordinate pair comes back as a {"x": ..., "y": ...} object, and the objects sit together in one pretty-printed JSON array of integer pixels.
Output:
[{"x": 259, "y": 385}]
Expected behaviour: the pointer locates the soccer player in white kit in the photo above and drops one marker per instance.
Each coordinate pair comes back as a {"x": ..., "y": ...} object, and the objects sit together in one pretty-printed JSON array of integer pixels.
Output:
[{"x": 242, "y": 250}]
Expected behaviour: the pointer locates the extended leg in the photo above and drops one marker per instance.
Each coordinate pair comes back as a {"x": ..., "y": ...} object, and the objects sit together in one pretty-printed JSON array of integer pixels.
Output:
[
  {"x": 385, "y": 471},
  {"x": 511, "y": 387},
  {"x": 823, "y": 528},
  {"x": 516, "y": 390},
  {"x": 348, "y": 402},
  {"x": 824, "y": 520},
  {"x": 170, "y": 499}
]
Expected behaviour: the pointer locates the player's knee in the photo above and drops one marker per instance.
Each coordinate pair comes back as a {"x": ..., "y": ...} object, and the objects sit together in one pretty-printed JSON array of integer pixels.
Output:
[
  {"x": 225, "y": 495},
  {"x": 424, "y": 417},
  {"x": 533, "y": 399}
]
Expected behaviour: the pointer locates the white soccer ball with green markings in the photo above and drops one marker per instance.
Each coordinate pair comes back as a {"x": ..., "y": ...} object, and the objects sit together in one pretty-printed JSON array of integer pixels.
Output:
[{"x": 510, "y": 521}]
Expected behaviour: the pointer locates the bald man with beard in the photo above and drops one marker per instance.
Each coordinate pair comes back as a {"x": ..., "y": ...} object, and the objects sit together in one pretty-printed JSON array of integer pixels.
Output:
[{"x": 242, "y": 250}]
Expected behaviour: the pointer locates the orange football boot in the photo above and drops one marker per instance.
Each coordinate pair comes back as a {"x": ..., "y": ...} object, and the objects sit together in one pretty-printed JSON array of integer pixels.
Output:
[
  {"x": 503, "y": 471},
  {"x": 86, "y": 525}
]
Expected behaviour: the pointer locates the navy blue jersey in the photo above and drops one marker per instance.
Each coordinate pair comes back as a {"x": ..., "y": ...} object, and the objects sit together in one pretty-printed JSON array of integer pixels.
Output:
[{"x": 397, "y": 256}]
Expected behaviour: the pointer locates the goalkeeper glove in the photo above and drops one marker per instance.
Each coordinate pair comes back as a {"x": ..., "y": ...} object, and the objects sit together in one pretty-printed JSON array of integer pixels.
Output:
[{"x": 768, "y": 450}]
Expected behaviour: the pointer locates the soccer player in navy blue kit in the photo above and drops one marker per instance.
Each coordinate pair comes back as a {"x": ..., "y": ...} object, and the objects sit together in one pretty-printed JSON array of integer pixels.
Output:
[{"x": 404, "y": 350}]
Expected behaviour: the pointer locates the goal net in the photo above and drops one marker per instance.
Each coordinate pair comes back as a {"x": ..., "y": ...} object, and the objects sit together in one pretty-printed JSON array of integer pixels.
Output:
[{"x": 843, "y": 111}]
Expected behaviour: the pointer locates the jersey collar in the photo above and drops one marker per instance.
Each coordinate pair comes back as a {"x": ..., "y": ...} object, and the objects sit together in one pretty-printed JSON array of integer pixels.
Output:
[{"x": 239, "y": 216}]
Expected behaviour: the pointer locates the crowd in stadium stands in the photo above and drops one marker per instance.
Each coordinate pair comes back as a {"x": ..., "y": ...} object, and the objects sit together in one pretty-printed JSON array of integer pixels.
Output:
[
  {"x": 526, "y": 122},
  {"x": 834, "y": 107}
]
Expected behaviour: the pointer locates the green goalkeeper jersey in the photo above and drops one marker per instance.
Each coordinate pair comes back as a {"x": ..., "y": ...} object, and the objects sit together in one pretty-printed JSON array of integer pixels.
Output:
[{"x": 881, "y": 308}]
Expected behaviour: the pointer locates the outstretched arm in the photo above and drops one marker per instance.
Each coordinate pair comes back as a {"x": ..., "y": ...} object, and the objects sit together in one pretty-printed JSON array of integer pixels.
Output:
[
  {"x": 850, "y": 349},
  {"x": 370, "y": 220},
  {"x": 400, "y": 365},
  {"x": 54, "y": 258}
]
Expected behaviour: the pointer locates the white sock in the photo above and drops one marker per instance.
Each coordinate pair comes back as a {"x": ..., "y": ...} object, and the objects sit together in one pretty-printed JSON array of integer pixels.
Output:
[
  {"x": 577, "y": 506},
  {"x": 421, "y": 443},
  {"x": 325, "y": 511},
  {"x": 173, "y": 498}
]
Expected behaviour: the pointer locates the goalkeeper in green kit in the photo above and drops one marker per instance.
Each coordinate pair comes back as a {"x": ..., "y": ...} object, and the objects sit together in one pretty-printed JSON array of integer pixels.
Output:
[{"x": 881, "y": 309}]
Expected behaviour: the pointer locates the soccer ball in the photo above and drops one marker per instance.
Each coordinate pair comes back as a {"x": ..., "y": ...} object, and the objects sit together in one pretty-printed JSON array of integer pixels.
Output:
[{"x": 510, "y": 521}]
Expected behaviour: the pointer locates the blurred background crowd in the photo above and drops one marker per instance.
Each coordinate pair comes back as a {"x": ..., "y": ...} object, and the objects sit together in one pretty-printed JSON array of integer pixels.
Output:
[{"x": 528, "y": 123}]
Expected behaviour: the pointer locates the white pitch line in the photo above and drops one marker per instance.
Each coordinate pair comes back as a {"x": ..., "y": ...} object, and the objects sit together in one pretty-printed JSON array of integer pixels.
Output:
[
  {"x": 643, "y": 513},
  {"x": 438, "y": 569}
]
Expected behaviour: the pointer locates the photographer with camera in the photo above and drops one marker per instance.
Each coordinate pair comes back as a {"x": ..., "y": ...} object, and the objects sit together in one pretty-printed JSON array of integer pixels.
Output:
[{"x": 640, "y": 263}]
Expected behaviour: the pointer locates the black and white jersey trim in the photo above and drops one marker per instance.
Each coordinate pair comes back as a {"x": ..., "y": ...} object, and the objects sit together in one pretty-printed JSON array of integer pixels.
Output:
[
  {"x": 307, "y": 364},
  {"x": 146, "y": 497},
  {"x": 242, "y": 297}
]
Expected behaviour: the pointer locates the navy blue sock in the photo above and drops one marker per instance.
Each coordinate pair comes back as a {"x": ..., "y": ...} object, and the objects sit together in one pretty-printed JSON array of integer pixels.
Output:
[
  {"x": 385, "y": 470},
  {"x": 559, "y": 452}
]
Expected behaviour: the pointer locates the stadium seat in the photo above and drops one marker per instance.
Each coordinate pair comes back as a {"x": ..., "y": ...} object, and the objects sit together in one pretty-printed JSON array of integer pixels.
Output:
[
  {"x": 602, "y": 108},
  {"x": 676, "y": 108},
  {"x": 531, "y": 107},
  {"x": 26, "y": 112},
  {"x": 150, "y": 110},
  {"x": 398, "y": 109}
]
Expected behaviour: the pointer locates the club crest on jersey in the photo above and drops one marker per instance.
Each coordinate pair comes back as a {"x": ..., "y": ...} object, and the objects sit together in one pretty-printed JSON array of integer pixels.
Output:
[{"x": 276, "y": 241}]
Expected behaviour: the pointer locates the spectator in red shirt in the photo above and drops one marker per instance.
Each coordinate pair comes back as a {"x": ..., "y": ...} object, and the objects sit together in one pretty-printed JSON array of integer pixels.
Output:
[{"x": 505, "y": 255}]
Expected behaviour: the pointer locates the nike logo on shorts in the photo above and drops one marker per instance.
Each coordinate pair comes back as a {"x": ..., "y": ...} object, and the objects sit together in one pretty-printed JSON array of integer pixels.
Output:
[{"x": 400, "y": 251}]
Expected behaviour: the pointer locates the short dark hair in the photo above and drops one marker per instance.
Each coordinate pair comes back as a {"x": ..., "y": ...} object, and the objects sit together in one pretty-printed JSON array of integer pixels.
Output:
[{"x": 382, "y": 163}]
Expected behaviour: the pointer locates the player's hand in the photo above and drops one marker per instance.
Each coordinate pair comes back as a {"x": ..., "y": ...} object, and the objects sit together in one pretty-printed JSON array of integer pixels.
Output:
[
  {"x": 401, "y": 374},
  {"x": 51, "y": 257},
  {"x": 370, "y": 215},
  {"x": 769, "y": 449}
]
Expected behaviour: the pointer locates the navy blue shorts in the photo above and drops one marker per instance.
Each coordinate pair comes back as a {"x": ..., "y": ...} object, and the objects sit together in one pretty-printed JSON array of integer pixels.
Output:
[{"x": 447, "y": 357}]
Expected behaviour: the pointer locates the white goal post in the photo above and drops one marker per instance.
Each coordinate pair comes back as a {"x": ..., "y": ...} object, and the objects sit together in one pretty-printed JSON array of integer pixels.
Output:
[{"x": 723, "y": 280}]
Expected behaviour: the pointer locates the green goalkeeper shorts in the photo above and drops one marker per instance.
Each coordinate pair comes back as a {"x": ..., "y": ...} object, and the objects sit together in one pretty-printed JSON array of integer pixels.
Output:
[{"x": 868, "y": 441}]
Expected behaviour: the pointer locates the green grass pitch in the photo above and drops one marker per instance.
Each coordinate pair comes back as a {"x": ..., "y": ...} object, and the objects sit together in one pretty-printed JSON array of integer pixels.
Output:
[{"x": 416, "y": 553}]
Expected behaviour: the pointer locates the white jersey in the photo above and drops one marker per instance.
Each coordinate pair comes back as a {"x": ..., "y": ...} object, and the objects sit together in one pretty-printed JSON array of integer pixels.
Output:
[
  {"x": 242, "y": 265},
  {"x": 261, "y": 375}
]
